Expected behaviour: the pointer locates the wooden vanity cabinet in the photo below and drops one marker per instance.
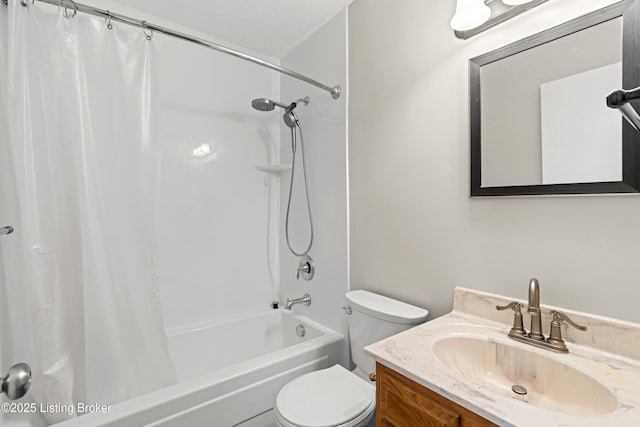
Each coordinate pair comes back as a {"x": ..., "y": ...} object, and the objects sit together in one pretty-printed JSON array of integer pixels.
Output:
[{"x": 402, "y": 402}]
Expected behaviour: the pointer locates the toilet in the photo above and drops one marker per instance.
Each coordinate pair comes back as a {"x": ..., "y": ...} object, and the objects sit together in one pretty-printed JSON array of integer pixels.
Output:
[{"x": 336, "y": 397}]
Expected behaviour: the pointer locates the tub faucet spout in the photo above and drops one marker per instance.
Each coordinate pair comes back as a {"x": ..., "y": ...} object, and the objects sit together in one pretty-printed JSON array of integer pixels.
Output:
[{"x": 306, "y": 300}]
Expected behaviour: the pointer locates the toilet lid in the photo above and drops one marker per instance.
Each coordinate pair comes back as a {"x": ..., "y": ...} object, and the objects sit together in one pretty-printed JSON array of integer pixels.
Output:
[{"x": 328, "y": 397}]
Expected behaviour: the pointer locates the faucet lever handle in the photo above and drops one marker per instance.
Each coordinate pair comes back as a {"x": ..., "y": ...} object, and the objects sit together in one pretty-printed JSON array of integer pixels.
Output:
[
  {"x": 515, "y": 306},
  {"x": 558, "y": 316},
  {"x": 555, "y": 334},
  {"x": 305, "y": 268},
  {"x": 518, "y": 327}
]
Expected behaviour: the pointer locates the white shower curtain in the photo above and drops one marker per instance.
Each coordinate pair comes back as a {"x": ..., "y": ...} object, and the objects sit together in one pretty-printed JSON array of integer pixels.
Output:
[{"x": 83, "y": 276}]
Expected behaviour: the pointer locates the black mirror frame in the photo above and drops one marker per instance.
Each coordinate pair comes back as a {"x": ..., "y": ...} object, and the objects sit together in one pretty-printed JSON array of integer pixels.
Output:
[{"x": 629, "y": 10}]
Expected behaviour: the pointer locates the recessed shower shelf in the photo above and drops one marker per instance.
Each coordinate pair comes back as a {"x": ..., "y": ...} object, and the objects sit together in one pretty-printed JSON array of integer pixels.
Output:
[{"x": 274, "y": 169}]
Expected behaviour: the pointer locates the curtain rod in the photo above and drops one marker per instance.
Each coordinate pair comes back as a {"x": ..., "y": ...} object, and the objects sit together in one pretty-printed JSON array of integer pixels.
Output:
[{"x": 72, "y": 7}]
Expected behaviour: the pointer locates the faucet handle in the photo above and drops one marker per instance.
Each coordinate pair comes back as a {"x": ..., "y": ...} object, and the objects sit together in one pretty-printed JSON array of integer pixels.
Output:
[
  {"x": 515, "y": 306},
  {"x": 518, "y": 327},
  {"x": 555, "y": 333},
  {"x": 558, "y": 316},
  {"x": 305, "y": 268}
]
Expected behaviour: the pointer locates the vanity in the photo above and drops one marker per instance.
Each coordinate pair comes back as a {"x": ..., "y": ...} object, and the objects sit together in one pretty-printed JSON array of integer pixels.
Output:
[
  {"x": 464, "y": 370},
  {"x": 404, "y": 402}
]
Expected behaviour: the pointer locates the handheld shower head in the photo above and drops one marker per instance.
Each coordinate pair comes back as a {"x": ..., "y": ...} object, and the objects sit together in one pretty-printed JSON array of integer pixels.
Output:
[{"x": 290, "y": 118}]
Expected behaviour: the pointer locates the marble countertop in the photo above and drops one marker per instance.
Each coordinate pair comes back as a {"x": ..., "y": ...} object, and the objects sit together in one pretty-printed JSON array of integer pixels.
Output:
[{"x": 609, "y": 351}]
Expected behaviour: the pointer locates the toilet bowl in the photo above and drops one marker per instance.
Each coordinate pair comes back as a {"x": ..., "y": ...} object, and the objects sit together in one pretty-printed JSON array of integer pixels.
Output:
[{"x": 336, "y": 397}]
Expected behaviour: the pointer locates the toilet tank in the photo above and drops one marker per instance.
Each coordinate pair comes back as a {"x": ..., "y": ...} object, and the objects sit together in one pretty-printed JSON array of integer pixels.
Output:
[{"x": 375, "y": 317}]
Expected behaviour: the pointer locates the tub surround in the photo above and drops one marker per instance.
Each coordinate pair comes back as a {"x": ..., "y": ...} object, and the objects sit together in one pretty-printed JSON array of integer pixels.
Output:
[{"x": 609, "y": 352}]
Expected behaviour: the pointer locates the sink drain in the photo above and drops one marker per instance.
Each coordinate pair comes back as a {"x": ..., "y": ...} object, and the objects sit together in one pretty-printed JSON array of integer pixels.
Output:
[{"x": 518, "y": 389}]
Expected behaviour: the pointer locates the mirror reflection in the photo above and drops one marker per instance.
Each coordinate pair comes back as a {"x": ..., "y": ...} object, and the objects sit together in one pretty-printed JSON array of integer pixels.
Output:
[{"x": 544, "y": 119}]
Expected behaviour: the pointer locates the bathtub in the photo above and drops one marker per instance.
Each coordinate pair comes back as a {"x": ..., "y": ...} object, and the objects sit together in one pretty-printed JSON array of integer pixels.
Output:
[{"x": 229, "y": 373}]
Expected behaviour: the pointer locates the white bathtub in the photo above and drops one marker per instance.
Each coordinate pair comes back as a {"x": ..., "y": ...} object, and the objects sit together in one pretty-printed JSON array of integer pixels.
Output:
[{"x": 229, "y": 373}]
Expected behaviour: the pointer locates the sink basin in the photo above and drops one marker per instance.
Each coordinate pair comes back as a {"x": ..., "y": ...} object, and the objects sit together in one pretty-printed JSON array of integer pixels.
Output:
[{"x": 550, "y": 384}]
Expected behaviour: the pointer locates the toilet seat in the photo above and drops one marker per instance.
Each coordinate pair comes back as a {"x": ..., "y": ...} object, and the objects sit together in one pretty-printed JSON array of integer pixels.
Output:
[{"x": 330, "y": 397}]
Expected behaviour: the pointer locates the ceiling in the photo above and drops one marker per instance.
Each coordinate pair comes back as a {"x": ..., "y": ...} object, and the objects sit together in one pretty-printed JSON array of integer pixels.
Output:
[{"x": 269, "y": 27}]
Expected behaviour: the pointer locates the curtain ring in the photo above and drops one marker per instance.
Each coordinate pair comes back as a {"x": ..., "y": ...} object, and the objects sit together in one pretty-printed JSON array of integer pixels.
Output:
[
  {"x": 66, "y": 9},
  {"x": 143, "y": 24},
  {"x": 23, "y": 3},
  {"x": 108, "y": 20}
]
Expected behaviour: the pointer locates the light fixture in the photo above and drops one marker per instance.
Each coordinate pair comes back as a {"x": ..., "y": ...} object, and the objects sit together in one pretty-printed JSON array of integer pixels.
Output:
[
  {"x": 470, "y": 14},
  {"x": 474, "y": 16}
]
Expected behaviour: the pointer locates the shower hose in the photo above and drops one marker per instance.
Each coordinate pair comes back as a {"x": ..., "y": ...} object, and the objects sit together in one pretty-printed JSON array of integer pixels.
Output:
[{"x": 306, "y": 187}]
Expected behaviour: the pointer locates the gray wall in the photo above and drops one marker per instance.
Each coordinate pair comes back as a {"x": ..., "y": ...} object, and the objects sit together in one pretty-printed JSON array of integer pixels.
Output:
[{"x": 414, "y": 232}]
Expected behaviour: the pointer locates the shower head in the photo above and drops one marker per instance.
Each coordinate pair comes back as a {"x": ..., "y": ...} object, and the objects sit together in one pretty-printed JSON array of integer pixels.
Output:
[
  {"x": 264, "y": 104},
  {"x": 289, "y": 117}
]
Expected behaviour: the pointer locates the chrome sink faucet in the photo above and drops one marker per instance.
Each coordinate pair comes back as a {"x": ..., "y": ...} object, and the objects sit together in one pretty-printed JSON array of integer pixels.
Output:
[
  {"x": 306, "y": 300},
  {"x": 535, "y": 337}
]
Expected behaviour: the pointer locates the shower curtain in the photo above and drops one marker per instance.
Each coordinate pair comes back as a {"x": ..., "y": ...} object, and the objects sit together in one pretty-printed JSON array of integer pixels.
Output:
[{"x": 82, "y": 269}]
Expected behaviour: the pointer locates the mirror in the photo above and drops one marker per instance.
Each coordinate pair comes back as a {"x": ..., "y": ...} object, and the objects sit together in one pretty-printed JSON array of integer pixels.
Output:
[{"x": 539, "y": 120}]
